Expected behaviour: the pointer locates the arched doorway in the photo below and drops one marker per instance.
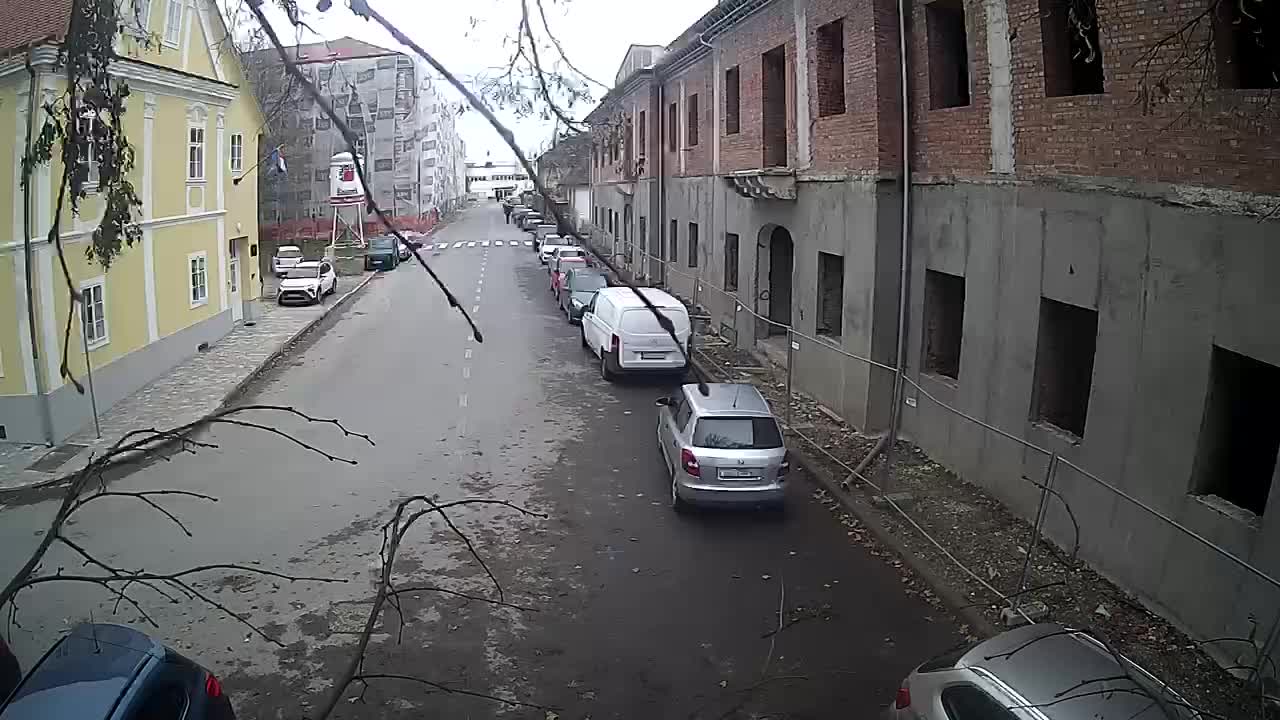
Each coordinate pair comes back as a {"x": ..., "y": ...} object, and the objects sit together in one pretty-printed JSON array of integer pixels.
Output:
[{"x": 775, "y": 262}]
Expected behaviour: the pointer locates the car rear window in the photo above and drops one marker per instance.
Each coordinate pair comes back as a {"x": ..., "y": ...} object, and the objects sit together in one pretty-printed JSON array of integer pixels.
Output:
[
  {"x": 642, "y": 322},
  {"x": 737, "y": 433},
  {"x": 288, "y": 253},
  {"x": 948, "y": 659}
]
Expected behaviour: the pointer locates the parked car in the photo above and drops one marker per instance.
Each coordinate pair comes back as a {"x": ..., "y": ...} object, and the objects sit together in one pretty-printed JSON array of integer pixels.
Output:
[
  {"x": 543, "y": 229},
  {"x": 580, "y": 285},
  {"x": 406, "y": 250},
  {"x": 724, "y": 447},
  {"x": 626, "y": 336},
  {"x": 560, "y": 264},
  {"x": 286, "y": 257},
  {"x": 10, "y": 671},
  {"x": 113, "y": 672},
  {"x": 550, "y": 246},
  {"x": 1042, "y": 666},
  {"x": 308, "y": 282},
  {"x": 382, "y": 253},
  {"x": 529, "y": 220}
]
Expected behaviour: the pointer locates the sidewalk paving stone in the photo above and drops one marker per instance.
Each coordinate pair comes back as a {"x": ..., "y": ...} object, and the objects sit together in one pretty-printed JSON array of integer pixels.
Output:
[{"x": 184, "y": 394}]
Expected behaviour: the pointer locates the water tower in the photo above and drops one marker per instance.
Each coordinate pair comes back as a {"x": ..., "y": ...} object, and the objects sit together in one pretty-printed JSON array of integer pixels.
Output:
[{"x": 346, "y": 195}]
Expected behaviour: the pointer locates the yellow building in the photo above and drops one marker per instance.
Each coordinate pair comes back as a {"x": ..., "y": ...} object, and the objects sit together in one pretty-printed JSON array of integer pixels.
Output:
[{"x": 194, "y": 125}]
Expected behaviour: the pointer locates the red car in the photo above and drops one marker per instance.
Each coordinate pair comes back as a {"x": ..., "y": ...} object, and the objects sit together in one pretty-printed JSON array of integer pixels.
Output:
[{"x": 560, "y": 264}]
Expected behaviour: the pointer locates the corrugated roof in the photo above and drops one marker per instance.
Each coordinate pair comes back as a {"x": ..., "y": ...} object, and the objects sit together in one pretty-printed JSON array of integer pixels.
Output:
[{"x": 31, "y": 22}]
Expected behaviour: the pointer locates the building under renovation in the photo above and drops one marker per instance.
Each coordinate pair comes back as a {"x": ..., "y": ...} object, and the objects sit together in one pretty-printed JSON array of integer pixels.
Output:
[{"x": 404, "y": 129}]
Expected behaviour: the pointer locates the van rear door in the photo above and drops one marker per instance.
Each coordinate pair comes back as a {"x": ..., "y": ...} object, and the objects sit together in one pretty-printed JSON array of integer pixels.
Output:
[{"x": 646, "y": 345}]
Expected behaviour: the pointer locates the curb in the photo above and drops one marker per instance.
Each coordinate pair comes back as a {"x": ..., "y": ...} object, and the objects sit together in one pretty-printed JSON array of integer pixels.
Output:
[
  {"x": 921, "y": 567},
  {"x": 231, "y": 396}
]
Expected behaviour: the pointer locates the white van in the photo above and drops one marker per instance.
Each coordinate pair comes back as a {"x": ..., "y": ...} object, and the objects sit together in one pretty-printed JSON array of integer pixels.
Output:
[{"x": 625, "y": 335}]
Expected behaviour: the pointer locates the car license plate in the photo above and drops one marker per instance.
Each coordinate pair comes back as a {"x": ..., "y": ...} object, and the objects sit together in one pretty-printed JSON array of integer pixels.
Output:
[
  {"x": 653, "y": 356},
  {"x": 737, "y": 473}
]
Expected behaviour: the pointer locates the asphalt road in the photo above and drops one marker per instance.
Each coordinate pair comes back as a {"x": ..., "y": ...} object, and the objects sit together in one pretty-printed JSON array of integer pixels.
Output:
[{"x": 635, "y": 612}]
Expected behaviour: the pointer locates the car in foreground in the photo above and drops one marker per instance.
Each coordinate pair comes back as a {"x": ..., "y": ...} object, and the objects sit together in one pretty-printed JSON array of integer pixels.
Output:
[
  {"x": 102, "y": 671},
  {"x": 580, "y": 285},
  {"x": 308, "y": 282},
  {"x": 626, "y": 336},
  {"x": 10, "y": 670},
  {"x": 285, "y": 257},
  {"x": 722, "y": 448},
  {"x": 382, "y": 253},
  {"x": 1062, "y": 673}
]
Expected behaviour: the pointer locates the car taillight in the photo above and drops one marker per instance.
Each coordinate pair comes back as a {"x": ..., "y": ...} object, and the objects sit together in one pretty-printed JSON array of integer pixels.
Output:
[
  {"x": 212, "y": 687},
  {"x": 616, "y": 345},
  {"x": 786, "y": 464},
  {"x": 690, "y": 462},
  {"x": 904, "y": 698}
]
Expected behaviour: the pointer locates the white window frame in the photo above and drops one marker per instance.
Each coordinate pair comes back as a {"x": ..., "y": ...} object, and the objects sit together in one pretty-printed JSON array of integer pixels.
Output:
[
  {"x": 237, "y": 152},
  {"x": 194, "y": 146},
  {"x": 172, "y": 27},
  {"x": 89, "y": 156},
  {"x": 203, "y": 257},
  {"x": 86, "y": 303}
]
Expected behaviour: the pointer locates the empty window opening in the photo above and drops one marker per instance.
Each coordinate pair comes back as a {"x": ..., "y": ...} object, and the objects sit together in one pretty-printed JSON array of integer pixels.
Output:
[
  {"x": 672, "y": 253},
  {"x": 948, "y": 54},
  {"x": 673, "y": 115},
  {"x": 773, "y": 107},
  {"x": 642, "y": 131},
  {"x": 1072, "y": 52},
  {"x": 1244, "y": 44},
  {"x": 1239, "y": 438},
  {"x": 731, "y": 262},
  {"x": 831, "y": 68},
  {"x": 692, "y": 110},
  {"x": 1064, "y": 365},
  {"x": 943, "y": 323},
  {"x": 830, "y": 294},
  {"x": 732, "y": 101},
  {"x": 693, "y": 245}
]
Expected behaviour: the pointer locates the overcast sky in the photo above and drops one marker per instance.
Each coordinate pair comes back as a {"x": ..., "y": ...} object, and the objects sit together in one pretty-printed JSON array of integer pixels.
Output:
[{"x": 594, "y": 33}]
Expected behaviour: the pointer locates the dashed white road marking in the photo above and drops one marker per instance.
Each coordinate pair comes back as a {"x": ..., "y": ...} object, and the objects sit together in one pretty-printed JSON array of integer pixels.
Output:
[
  {"x": 467, "y": 354},
  {"x": 466, "y": 373},
  {"x": 475, "y": 308},
  {"x": 471, "y": 244},
  {"x": 457, "y": 245},
  {"x": 462, "y": 400}
]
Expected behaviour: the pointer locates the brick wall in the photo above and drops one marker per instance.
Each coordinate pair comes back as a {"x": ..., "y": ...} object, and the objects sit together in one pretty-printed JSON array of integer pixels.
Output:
[
  {"x": 864, "y": 137},
  {"x": 742, "y": 46},
  {"x": 950, "y": 140},
  {"x": 696, "y": 81}
]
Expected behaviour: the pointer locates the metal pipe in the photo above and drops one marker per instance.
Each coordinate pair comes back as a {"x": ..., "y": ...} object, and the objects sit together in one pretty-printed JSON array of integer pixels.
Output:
[
  {"x": 42, "y": 392},
  {"x": 904, "y": 260},
  {"x": 791, "y": 357}
]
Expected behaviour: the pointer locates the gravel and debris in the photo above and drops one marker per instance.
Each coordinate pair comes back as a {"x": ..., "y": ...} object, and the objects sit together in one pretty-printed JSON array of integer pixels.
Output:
[{"x": 985, "y": 537}]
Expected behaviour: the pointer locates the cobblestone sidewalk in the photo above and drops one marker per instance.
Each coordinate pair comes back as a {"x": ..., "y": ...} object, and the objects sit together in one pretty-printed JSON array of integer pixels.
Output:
[{"x": 185, "y": 393}]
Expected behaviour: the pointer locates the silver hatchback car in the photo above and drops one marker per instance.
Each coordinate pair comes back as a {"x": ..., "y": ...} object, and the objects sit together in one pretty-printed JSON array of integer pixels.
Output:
[
  {"x": 722, "y": 448},
  {"x": 1036, "y": 672}
]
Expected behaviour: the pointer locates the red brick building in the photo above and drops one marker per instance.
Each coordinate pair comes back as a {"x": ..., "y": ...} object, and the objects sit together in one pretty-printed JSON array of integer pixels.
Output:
[{"x": 1090, "y": 264}]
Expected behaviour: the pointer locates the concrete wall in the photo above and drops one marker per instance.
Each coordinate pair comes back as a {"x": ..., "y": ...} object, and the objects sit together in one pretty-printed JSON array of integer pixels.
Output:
[{"x": 1167, "y": 284}]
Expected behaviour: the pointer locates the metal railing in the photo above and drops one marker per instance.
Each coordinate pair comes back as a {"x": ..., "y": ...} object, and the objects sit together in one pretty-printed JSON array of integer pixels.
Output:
[{"x": 731, "y": 313}]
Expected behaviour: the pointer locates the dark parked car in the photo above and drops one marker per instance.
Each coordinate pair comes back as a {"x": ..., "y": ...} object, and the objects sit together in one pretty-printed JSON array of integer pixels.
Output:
[
  {"x": 100, "y": 671},
  {"x": 10, "y": 671},
  {"x": 382, "y": 253},
  {"x": 580, "y": 285}
]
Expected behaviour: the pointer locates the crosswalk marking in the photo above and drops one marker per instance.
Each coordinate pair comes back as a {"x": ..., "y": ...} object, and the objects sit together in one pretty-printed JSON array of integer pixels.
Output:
[
  {"x": 457, "y": 245},
  {"x": 485, "y": 243},
  {"x": 471, "y": 244},
  {"x": 498, "y": 243},
  {"x": 528, "y": 243}
]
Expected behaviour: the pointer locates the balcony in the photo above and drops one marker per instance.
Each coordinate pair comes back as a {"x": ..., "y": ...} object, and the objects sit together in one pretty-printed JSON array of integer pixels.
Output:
[{"x": 765, "y": 184}]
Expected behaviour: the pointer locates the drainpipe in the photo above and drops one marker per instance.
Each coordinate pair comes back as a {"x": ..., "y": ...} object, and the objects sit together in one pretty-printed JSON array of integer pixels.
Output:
[
  {"x": 42, "y": 393},
  {"x": 662, "y": 181},
  {"x": 895, "y": 412}
]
